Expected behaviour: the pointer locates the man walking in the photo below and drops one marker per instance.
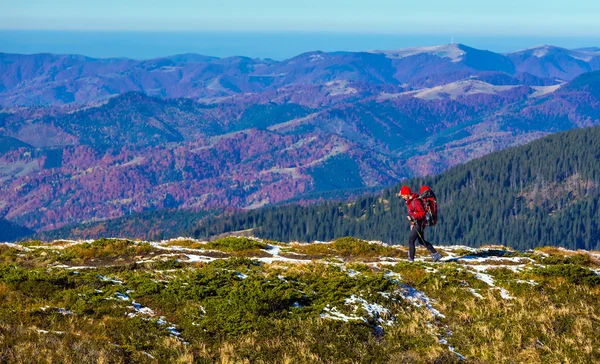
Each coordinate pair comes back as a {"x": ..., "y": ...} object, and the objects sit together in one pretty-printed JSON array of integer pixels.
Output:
[{"x": 416, "y": 212}]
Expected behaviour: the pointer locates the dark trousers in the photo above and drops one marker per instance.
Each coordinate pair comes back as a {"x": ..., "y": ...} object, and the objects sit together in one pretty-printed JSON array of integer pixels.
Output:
[{"x": 417, "y": 232}]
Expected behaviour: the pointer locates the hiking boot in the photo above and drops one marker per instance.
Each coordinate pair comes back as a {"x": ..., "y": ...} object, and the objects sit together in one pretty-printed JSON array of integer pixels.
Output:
[
  {"x": 410, "y": 260},
  {"x": 436, "y": 256}
]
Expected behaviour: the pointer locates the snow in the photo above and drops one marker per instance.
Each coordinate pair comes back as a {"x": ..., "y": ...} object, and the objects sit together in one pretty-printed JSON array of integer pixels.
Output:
[
  {"x": 62, "y": 311},
  {"x": 16, "y": 246},
  {"x": 418, "y": 299},
  {"x": 122, "y": 296},
  {"x": 505, "y": 294},
  {"x": 451, "y": 51},
  {"x": 415, "y": 297},
  {"x": 141, "y": 310},
  {"x": 273, "y": 250},
  {"x": 490, "y": 281},
  {"x": 485, "y": 267},
  {"x": 106, "y": 279},
  {"x": 393, "y": 276},
  {"x": 334, "y": 314},
  {"x": 192, "y": 258},
  {"x": 478, "y": 259},
  {"x": 475, "y": 293},
  {"x": 485, "y": 278},
  {"x": 353, "y": 273},
  {"x": 376, "y": 311},
  {"x": 531, "y": 282},
  {"x": 241, "y": 275},
  {"x": 50, "y": 332}
]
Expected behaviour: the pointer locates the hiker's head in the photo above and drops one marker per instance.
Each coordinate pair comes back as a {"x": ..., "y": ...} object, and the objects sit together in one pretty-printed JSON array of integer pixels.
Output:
[{"x": 405, "y": 192}]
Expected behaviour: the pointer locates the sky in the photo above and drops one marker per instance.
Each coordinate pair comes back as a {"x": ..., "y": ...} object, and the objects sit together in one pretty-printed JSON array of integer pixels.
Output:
[{"x": 491, "y": 17}]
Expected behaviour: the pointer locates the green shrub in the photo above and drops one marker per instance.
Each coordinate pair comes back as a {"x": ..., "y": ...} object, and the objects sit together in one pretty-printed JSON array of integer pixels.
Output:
[
  {"x": 103, "y": 248},
  {"x": 572, "y": 273},
  {"x": 232, "y": 243},
  {"x": 348, "y": 246}
]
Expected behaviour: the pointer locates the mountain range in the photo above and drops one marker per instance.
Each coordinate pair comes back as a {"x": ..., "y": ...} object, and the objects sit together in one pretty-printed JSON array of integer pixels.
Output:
[
  {"x": 47, "y": 79},
  {"x": 87, "y": 139}
]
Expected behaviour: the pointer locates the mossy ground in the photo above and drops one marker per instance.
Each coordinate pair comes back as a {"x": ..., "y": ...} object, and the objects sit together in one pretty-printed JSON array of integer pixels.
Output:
[{"x": 151, "y": 302}]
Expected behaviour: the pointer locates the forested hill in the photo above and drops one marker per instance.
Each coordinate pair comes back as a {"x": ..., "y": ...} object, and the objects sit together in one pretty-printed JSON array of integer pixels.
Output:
[
  {"x": 11, "y": 231},
  {"x": 542, "y": 193}
]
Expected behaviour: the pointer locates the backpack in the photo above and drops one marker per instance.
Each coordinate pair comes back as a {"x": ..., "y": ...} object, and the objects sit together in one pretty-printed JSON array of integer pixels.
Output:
[{"x": 430, "y": 204}]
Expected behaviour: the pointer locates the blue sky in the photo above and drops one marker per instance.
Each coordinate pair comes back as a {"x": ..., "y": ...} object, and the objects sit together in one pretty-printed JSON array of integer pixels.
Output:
[{"x": 494, "y": 17}]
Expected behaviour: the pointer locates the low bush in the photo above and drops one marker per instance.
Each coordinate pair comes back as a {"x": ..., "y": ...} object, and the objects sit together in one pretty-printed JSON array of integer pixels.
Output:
[{"x": 232, "y": 244}]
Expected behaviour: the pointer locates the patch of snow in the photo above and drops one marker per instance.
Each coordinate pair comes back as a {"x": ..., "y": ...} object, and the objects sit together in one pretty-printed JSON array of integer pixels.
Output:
[
  {"x": 81, "y": 267},
  {"x": 544, "y": 254},
  {"x": 418, "y": 299},
  {"x": 62, "y": 311},
  {"x": 334, "y": 314},
  {"x": 192, "y": 258},
  {"x": 531, "y": 282},
  {"x": 141, "y": 309},
  {"x": 505, "y": 294},
  {"x": 461, "y": 357},
  {"x": 485, "y": 278},
  {"x": 393, "y": 276},
  {"x": 106, "y": 279},
  {"x": 455, "y": 247},
  {"x": 490, "y": 281},
  {"x": 386, "y": 294},
  {"x": 241, "y": 275},
  {"x": 50, "y": 332},
  {"x": 484, "y": 267},
  {"x": 475, "y": 293},
  {"x": 16, "y": 246},
  {"x": 274, "y": 250},
  {"x": 122, "y": 296},
  {"x": 376, "y": 311},
  {"x": 478, "y": 259},
  {"x": 352, "y": 273}
]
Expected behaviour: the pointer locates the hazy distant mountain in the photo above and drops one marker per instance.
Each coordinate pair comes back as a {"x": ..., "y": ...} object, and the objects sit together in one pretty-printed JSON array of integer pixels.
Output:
[
  {"x": 46, "y": 79},
  {"x": 554, "y": 62}
]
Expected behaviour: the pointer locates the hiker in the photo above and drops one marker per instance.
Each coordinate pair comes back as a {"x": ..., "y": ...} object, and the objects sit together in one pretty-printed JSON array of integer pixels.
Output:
[{"x": 417, "y": 214}]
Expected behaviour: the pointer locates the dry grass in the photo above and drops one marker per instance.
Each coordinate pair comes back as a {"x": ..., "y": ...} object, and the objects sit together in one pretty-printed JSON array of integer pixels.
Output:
[{"x": 226, "y": 318}]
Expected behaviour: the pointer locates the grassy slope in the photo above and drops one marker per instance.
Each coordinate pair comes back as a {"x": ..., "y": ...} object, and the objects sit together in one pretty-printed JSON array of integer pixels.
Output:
[{"x": 545, "y": 306}]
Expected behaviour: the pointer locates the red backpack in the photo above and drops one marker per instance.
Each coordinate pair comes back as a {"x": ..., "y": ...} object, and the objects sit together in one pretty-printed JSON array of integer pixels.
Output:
[{"x": 430, "y": 204}]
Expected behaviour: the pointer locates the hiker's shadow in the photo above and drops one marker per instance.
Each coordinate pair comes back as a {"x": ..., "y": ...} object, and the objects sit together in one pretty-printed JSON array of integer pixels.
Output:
[{"x": 499, "y": 253}]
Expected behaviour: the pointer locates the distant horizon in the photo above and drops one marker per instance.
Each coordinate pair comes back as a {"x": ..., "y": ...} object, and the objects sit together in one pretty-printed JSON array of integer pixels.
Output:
[{"x": 142, "y": 45}]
